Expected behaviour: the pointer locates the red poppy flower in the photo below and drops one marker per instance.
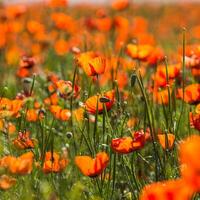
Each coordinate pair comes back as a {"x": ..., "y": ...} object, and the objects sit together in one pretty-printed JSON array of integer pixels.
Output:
[{"x": 126, "y": 145}]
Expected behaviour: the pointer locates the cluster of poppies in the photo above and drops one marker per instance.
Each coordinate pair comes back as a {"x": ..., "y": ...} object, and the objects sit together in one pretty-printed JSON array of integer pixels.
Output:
[{"x": 93, "y": 87}]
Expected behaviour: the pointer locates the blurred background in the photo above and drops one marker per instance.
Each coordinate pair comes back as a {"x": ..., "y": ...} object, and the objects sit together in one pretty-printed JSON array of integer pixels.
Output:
[{"x": 101, "y": 1}]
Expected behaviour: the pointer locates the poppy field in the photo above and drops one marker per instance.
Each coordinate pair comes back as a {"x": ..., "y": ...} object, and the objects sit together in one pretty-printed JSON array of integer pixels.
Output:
[{"x": 100, "y": 102}]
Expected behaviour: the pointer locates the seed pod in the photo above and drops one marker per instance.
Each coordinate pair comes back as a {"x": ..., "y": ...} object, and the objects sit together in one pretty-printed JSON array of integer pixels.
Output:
[
  {"x": 104, "y": 99},
  {"x": 69, "y": 135},
  {"x": 133, "y": 79}
]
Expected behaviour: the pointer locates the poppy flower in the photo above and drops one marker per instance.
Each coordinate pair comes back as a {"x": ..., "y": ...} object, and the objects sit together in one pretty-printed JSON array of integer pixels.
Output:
[
  {"x": 31, "y": 115},
  {"x": 140, "y": 52},
  {"x": 91, "y": 63},
  {"x": 10, "y": 108},
  {"x": 51, "y": 88},
  {"x": 54, "y": 98},
  {"x": 61, "y": 47},
  {"x": 14, "y": 11},
  {"x": 64, "y": 22},
  {"x": 55, "y": 110},
  {"x": 192, "y": 57},
  {"x": 161, "y": 96},
  {"x": 23, "y": 141},
  {"x": 57, "y": 3},
  {"x": 65, "y": 89},
  {"x": 35, "y": 27},
  {"x": 167, "y": 142},
  {"x": 91, "y": 103},
  {"x": 103, "y": 24},
  {"x": 54, "y": 163},
  {"x": 192, "y": 93},
  {"x": 59, "y": 113},
  {"x": 21, "y": 165},
  {"x": 160, "y": 77},
  {"x": 6, "y": 182},
  {"x": 126, "y": 145},
  {"x": 65, "y": 115},
  {"x": 78, "y": 114},
  {"x": 120, "y": 4},
  {"x": 11, "y": 128},
  {"x": 92, "y": 167},
  {"x": 166, "y": 190},
  {"x": 156, "y": 56},
  {"x": 26, "y": 64},
  {"x": 189, "y": 151}
]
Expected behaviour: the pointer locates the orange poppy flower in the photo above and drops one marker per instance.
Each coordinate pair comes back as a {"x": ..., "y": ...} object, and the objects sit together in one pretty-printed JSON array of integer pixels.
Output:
[
  {"x": 120, "y": 4},
  {"x": 103, "y": 24},
  {"x": 166, "y": 142},
  {"x": 123, "y": 145},
  {"x": 91, "y": 103},
  {"x": 157, "y": 55},
  {"x": 61, "y": 47},
  {"x": 166, "y": 190},
  {"x": 79, "y": 114},
  {"x": 25, "y": 65},
  {"x": 91, "y": 63},
  {"x": 192, "y": 58},
  {"x": 16, "y": 106},
  {"x": 6, "y": 182},
  {"x": 35, "y": 27},
  {"x": 139, "y": 25},
  {"x": 64, "y": 22},
  {"x": 14, "y": 11},
  {"x": 54, "y": 98},
  {"x": 11, "y": 128},
  {"x": 37, "y": 105},
  {"x": 65, "y": 89},
  {"x": 10, "y": 108},
  {"x": 21, "y": 165},
  {"x": 192, "y": 93},
  {"x": 65, "y": 115},
  {"x": 51, "y": 88},
  {"x": 92, "y": 167},
  {"x": 54, "y": 163},
  {"x": 128, "y": 144},
  {"x": 13, "y": 55},
  {"x": 189, "y": 151},
  {"x": 31, "y": 115},
  {"x": 59, "y": 113},
  {"x": 162, "y": 97},
  {"x": 140, "y": 52},
  {"x": 23, "y": 141},
  {"x": 55, "y": 110},
  {"x": 160, "y": 77},
  {"x": 57, "y": 3}
]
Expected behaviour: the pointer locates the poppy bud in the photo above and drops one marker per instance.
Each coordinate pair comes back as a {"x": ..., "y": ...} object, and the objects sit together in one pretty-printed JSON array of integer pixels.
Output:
[{"x": 27, "y": 82}]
